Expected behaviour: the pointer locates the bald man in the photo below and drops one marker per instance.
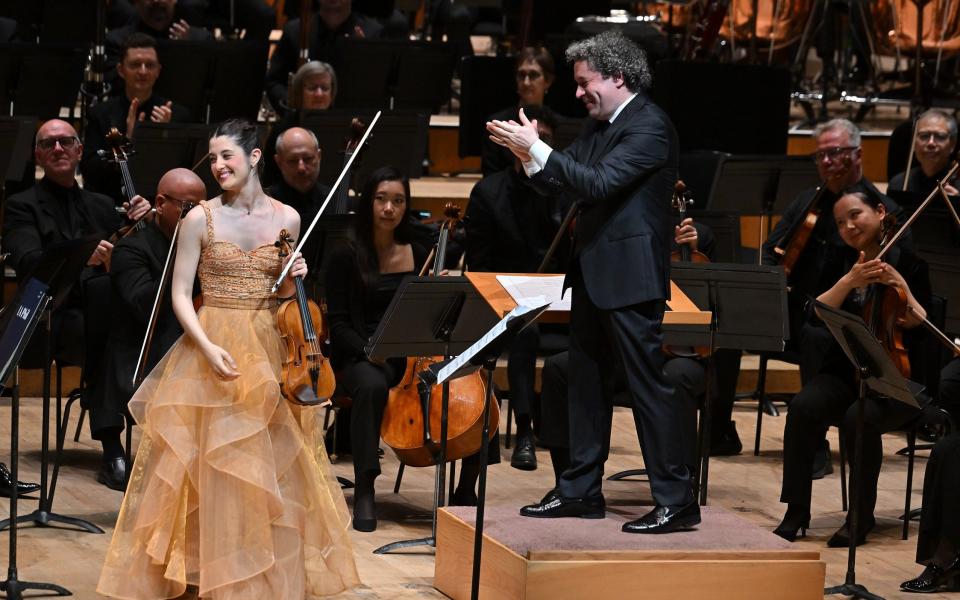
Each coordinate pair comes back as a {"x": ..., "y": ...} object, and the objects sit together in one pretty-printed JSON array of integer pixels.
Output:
[
  {"x": 137, "y": 267},
  {"x": 298, "y": 158}
]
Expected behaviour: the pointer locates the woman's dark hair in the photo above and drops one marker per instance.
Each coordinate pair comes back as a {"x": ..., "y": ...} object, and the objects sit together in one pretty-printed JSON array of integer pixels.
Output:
[
  {"x": 244, "y": 133},
  {"x": 539, "y": 55},
  {"x": 874, "y": 202},
  {"x": 367, "y": 261}
]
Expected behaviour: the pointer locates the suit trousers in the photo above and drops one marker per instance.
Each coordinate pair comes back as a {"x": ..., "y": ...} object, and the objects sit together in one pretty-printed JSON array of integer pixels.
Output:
[{"x": 631, "y": 337}]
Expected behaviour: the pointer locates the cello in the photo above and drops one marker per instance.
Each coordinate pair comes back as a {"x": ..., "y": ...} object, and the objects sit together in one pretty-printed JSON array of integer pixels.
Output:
[
  {"x": 306, "y": 376},
  {"x": 411, "y": 418},
  {"x": 681, "y": 202}
]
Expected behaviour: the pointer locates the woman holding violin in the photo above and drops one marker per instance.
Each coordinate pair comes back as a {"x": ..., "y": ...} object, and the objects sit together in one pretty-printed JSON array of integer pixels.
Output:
[
  {"x": 892, "y": 295},
  {"x": 231, "y": 493}
]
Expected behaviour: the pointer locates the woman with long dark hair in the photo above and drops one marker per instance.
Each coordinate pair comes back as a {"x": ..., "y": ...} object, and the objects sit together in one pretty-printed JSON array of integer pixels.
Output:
[{"x": 231, "y": 495}]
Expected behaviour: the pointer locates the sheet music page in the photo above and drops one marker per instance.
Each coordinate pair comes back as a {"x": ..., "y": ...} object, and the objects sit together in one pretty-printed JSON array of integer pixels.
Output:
[{"x": 536, "y": 291}]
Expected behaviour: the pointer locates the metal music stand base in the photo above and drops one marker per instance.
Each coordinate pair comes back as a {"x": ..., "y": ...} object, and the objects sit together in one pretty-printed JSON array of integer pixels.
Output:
[
  {"x": 14, "y": 588},
  {"x": 852, "y": 590}
]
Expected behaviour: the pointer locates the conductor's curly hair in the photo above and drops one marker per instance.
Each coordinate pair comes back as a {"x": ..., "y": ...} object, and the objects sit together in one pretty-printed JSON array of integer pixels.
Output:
[{"x": 612, "y": 53}]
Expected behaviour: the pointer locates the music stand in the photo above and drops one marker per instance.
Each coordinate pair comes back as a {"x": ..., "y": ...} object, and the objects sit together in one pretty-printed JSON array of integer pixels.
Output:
[
  {"x": 431, "y": 316},
  {"x": 424, "y": 72},
  {"x": 186, "y": 70},
  {"x": 233, "y": 92},
  {"x": 164, "y": 146},
  {"x": 40, "y": 79},
  {"x": 875, "y": 371},
  {"x": 749, "y": 308},
  {"x": 487, "y": 85},
  {"x": 20, "y": 320},
  {"x": 59, "y": 268}
]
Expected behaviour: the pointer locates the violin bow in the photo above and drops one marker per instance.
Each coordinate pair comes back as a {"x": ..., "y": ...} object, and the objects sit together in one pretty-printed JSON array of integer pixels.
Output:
[
  {"x": 941, "y": 336},
  {"x": 939, "y": 191},
  {"x": 346, "y": 168}
]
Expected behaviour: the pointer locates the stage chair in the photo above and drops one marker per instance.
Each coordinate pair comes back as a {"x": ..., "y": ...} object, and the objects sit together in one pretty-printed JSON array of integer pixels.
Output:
[{"x": 764, "y": 403}]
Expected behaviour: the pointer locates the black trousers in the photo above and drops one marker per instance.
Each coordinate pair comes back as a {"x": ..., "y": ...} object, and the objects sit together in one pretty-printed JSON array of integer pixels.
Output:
[
  {"x": 940, "y": 520},
  {"x": 522, "y": 370},
  {"x": 949, "y": 395},
  {"x": 829, "y": 399},
  {"x": 631, "y": 337}
]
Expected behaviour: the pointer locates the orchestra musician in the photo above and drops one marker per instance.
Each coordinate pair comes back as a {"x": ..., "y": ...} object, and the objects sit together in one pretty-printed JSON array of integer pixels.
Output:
[
  {"x": 231, "y": 494},
  {"x": 135, "y": 275},
  {"x": 839, "y": 164},
  {"x": 509, "y": 230},
  {"x": 933, "y": 149},
  {"x": 534, "y": 70},
  {"x": 139, "y": 68},
  {"x": 361, "y": 279},
  {"x": 621, "y": 172},
  {"x": 829, "y": 397}
]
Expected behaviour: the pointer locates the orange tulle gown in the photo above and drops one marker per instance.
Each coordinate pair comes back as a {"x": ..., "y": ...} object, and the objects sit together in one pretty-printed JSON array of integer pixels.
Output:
[{"x": 231, "y": 491}]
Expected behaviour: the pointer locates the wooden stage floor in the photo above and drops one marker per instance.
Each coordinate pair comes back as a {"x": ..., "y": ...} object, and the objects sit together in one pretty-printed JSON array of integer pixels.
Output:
[{"x": 747, "y": 484}]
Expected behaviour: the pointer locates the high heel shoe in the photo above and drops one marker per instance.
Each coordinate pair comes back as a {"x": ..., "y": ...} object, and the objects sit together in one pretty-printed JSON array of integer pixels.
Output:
[
  {"x": 933, "y": 578},
  {"x": 794, "y": 524},
  {"x": 841, "y": 537}
]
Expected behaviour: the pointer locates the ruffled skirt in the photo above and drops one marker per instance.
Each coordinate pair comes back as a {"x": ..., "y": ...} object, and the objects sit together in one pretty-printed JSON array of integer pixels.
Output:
[{"x": 231, "y": 490}]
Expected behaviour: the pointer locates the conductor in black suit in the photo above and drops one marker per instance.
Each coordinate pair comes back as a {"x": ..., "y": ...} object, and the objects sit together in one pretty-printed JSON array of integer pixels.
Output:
[{"x": 621, "y": 172}]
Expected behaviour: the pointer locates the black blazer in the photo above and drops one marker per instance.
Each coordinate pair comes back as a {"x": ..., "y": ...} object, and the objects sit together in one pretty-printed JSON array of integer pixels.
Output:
[
  {"x": 622, "y": 177},
  {"x": 33, "y": 220}
]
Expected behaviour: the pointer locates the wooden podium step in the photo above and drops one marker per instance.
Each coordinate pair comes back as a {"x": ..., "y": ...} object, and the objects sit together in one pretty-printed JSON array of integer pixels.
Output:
[{"x": 726, "y": 558}]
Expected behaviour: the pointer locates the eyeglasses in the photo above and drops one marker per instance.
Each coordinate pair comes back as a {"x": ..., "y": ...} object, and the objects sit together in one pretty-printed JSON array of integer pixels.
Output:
[
  {"x": 66, "y": 142},
  {"x": 832, "y": 153},
  {"x": 938, "y": 136},
  {"x": 183, "y": 205},
  {"x": 531, "y": 75}
]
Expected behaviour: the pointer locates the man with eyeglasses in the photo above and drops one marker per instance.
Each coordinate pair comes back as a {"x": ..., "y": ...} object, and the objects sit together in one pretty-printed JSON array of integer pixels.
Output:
[
  {"x": 933, "y": 151},
  {"x": 298, "y": 158},
  {"x": 135, "y": 275},
  {"x": 138, "y": 69},
  {"x": 839, "y": 164}
]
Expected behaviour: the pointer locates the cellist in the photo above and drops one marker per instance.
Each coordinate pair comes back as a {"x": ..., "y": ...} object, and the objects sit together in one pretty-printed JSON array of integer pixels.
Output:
[{"x": 829, "y": 397}]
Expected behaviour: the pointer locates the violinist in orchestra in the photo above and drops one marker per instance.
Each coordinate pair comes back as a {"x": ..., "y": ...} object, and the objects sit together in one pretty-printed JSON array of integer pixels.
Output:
[
  {"x": 135, "y": 274},
  {"x": 829, "y": 397},
  {"x": 297, "y": 157},
  {"x": 534, "y": 71},
  {"x": 362, "y": 277},
  {"x": 933, "y": 149},
  {"x": 139, "y": 68},
  {"x": 54, "y": 210},
  {"x": 509, "y": 230},
  {"x": 231, "y": 478},
  {"x": 335, "y": 19},
  {"x": 621, "y": 173},
  {"x": 314, "y": 87}
]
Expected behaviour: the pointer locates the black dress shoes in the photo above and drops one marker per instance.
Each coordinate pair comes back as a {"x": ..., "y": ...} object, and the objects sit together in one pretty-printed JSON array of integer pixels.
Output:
[
  {"x": 726, "y": 442},
  {"x": 6, "y": 484},
  {"x": 554, "y": 506},
  {"x": 524, "y": 454},
  {"x": 934, "y": 578},
  {"x": 841, "y": 537},
  {"x": 666, "y": 519},
  {"x": 113, "y": 474}
]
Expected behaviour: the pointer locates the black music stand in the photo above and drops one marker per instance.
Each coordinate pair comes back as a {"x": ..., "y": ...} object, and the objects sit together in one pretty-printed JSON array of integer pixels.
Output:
[
  {"x": 20, "y": 320},
  {"x": 487, "y": 85},
  {"x": 40, "y": 79},
  {"x": 59, "y": 269},
  {"x": 877, "y": 372},
  {"x": 431, "y": 316},
  {"x": 164, "y": 146},
  {"x": 483, "y": 354},
  {"x": 749, "y": 306}
]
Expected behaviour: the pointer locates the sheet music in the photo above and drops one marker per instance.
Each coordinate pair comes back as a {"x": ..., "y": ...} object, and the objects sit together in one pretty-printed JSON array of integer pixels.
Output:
[
  {"x": 536, "y": 291},
  {"x": 454, "y": 365}
]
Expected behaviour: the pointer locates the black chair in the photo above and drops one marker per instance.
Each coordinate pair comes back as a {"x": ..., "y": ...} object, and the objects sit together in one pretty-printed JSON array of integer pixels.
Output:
[{"x": 764, "y": 402}]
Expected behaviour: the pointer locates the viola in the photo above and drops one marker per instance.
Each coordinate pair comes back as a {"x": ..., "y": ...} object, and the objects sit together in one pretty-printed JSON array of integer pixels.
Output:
[
  {"x": 120, "y": 148},
  {"x": 341, "y": 202},
  {"x": 306, "y": 376},
  {"x": 682, "y": 201},
  {"x": 885, "y": 311},
  {"x": 412, "y": 415}
]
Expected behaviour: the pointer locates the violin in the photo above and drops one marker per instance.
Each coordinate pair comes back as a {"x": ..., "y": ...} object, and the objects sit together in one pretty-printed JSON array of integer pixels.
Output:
[
  {"x": 797, "y": 241},
  {"x": 681, "y": 201},
  {"x": 120, "y": 148},
  {"x": 306, "y": 377},
  {"x": 885, "y": 311},
  {"x": 411, "y": 417},
  {"x": 341, "y": 203}
]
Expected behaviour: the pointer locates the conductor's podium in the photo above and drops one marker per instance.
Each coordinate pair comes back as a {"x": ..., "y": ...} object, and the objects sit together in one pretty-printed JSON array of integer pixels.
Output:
[{"x": 523, "y": 558}]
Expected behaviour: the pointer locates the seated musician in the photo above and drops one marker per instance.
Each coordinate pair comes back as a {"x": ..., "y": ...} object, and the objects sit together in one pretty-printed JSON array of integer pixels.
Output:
[
  {"x": 54, "y": 210},
  {"x": 509, "y": 230},
  {"x": 839, "y": 165},
  {"x": 933, "y": 149},
  {"x": 534, "y": 70},
  {"x": 335, "y": 19},
  {"x": 687, "y": 375},
  {"x": 138, "y": 69},
  {"x": 297, "y": 157},
  {"x": 361, "y": 279},
  {"x": 949, "y": 392},
  {"x": 829, "y": 398},
  {"x": 159, "y": 19},
  {"x": 135, "y": 273},
  {"x": 314, "y": 87}
]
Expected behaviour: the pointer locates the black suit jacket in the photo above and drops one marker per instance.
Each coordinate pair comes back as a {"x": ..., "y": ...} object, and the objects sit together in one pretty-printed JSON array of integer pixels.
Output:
[{"x": 622, "y": 177}]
